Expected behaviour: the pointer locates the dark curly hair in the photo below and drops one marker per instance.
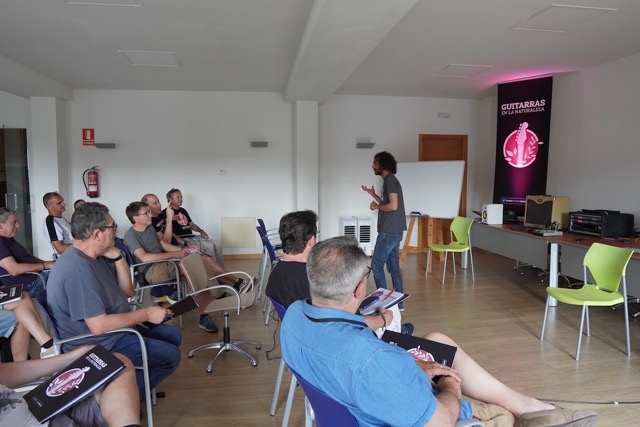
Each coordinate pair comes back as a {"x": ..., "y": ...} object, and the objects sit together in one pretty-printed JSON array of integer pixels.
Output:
[{"x": 386, "y": 161}]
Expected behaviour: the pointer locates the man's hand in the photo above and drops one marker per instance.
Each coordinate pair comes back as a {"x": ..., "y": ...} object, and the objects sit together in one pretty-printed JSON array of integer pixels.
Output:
[
  {"x": 371, "y": 191},
  {"x": 112, "y": 252},
  {"x": 170, "y": 213},
  {"x": 388, "y": 314},
  {"x": 434, "y": 369},
  {"x": 182, "y": 253},
  {"x": 156, "y": 314},
  {"x": 450, "y": 384},
  {"x": 48, "y": 265},
  {"x": 373, "y": 206},
  {"x": 203, "y": 234}
]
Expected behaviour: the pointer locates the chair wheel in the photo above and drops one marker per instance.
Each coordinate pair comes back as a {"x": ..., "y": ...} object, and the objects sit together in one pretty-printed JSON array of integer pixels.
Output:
[
  {"x": 258, "y": 347},
  {"x": 209, "y": 371},
  {"x": 190, "y": 356},
  {"x": 160, "y": 394},
  {"x": 255, "y": 364}
]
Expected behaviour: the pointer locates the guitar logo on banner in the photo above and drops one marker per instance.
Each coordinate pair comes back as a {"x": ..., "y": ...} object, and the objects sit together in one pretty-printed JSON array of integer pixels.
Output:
[{"x": 521, "y": 147}]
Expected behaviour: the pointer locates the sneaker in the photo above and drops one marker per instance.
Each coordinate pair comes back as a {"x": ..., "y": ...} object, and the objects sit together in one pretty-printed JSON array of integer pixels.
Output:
[
  {"x": 47, "y": 352},
  {"x": 246, "y": 286},
  {"x": 407, "y": 329},
  {"x": 558, "y": 417},
  {"x": 401, "y": 307},
  {"x": 207, "y": 323}
]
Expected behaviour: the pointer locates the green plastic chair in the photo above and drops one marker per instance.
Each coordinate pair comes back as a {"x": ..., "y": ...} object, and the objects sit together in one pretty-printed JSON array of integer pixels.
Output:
[
  {"x": 460, "y": 229},
  {"x": 607, "y": 265}
]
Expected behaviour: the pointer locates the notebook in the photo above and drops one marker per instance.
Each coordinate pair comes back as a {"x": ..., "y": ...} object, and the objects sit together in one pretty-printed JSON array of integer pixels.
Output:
[
  {"x": 10, "y": 293},
  {"x": 422, "y": 348},
  {"x": 73, "y": 383}
]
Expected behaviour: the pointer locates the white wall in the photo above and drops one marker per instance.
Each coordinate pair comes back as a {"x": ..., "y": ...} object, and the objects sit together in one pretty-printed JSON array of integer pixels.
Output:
[
  {"x": 595, "y": 149},
  {"x": 393, "y": 124},
  {"x": 182, "y": 140}
]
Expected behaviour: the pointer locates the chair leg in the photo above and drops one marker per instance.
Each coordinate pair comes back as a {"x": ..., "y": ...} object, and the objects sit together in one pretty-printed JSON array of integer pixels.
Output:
[
  {"x": 287, "y": 409},
  {"x": 444, "y": 270},
  {"x": 544, "y": 320},
  {"x": 473, "y": 273},
  {"x": 426, "y": 271},
  {"x": 582, "y": 318},
  {"x": 626, "y": 322},
  {"x": 269, "y": 306},
  {"x": 453, "y": 261},
  {"x": 309, "y": 415},
  {"x": 276, "y": 391}
]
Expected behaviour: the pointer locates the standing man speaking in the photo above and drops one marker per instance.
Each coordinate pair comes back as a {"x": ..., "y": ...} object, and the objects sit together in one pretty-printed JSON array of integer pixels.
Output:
[{"x": 391, "y": 222}]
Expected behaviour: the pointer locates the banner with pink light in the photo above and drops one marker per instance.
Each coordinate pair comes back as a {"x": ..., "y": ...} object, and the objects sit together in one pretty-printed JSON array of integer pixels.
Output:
[{"x": 522, "y": 146}]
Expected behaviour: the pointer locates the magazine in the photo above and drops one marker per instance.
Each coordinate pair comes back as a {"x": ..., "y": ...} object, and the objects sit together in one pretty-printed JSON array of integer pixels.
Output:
[
  {"x": 422, "y": 348},
  {"x": 380, "y": 297},
  {"x": 10, "y": 293},
  {"x": 73, "y": 383}
]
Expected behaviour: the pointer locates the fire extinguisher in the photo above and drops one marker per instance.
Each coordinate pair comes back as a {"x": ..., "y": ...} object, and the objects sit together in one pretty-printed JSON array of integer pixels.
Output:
[{"x": 91, "y": 181}]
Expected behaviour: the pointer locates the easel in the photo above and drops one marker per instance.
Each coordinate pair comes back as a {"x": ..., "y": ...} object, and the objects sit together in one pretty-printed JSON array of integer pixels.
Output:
[{"x": 434, "y": 230}]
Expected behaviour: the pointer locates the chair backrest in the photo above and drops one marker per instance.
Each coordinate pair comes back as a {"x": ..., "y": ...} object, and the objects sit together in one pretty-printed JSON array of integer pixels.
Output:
[
  {"x": 279, "y": 308},
  {"x": 269, "y": 247},
  {"x": 461, "y": 227},
  {"x": 195, "y": 272},
  {"x": 607, "y": 265},
  {"x": 328, "y": 412},
  {"x": 262, "y": 226},
  {"x": 119, "y": 243}
]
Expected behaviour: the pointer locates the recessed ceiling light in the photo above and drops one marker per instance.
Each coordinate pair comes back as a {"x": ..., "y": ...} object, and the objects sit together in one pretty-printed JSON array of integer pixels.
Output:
[
  {"x": 559, "y": 18},
  {"x": 151, "y": 58},
  {"x": 461, "y": 70},
  {"x": 133, "y": 3}
]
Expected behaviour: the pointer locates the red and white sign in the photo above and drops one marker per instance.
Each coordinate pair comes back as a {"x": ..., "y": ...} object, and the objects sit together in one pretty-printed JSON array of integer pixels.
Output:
[{"x": 88, "y": 136}]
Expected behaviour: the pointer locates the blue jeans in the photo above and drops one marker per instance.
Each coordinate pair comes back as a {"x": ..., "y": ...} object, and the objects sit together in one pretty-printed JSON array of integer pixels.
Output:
[
  {"x": 387, "y": 251},
  {"x": 163, "y": 352},
  {"x": 34, "y": 288}
]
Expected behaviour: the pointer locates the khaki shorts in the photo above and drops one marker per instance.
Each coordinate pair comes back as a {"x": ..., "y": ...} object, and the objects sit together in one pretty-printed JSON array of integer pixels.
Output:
[
  {"x": 160, "y": 272},
  {"x": 491, "y": 415}
]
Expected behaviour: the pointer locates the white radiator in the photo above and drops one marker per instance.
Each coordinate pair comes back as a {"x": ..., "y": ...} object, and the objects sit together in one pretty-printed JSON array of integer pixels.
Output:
[{"x": 360, "y": 228}]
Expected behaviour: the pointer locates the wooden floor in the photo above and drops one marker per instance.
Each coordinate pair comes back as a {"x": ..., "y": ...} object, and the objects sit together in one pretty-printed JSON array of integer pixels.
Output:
[{"x": 496, "y": 320}]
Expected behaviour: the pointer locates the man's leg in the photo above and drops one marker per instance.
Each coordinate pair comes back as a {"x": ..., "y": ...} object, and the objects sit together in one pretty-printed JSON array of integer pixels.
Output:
[
  {"x": 215, "y": 269},
  {"x": 393, "y": 261},
  {"x": 27, "y": 316},
  {"x": 384, "y": 246},
  {"x": 118, "y": 401},
  {"x": 478, "y": 384},
  {"x": 20, "y": 343},
  {"x": 162, "y": 343}
]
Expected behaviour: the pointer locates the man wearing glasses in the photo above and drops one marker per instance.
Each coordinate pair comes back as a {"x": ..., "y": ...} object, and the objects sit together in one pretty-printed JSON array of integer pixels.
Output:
[
  {"x": 88, "y": 293},
  {"x": 381, "y": 384},
  {"x": 16, "y": 261}
]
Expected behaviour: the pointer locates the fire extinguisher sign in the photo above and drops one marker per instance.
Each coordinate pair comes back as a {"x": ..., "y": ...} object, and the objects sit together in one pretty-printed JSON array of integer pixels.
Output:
[{"x": 88, "y": 136}]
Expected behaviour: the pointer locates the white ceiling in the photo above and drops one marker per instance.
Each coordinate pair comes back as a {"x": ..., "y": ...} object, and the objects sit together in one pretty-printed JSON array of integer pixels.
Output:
[{"x": 305, "y": 49}]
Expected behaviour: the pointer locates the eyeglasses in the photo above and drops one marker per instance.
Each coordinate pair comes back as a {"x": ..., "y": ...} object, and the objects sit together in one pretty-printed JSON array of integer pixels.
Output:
[
  {"x": 365, "y": 277},
  {"x": 114, "y": 226},
  {"x": 145, "y": 213}
]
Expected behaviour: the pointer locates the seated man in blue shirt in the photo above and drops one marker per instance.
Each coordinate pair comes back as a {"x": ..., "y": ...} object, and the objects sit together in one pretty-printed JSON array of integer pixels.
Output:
[{"x": 381, "y": 384}]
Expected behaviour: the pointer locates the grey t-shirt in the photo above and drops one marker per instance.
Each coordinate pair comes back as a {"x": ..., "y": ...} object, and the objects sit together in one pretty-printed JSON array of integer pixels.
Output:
[
  {"x": 147, "y": 240},
  {"x": 80, "y": 287},
  {"x": 392, "y": 221}
]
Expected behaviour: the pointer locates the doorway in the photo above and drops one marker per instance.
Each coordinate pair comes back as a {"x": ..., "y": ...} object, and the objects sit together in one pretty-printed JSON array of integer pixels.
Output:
[
  {"x": 14, "y": 180},
  {"x": 432, "y": 147}
]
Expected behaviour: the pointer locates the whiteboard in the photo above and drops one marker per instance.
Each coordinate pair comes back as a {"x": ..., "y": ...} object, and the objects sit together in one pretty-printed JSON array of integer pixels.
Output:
[{"x": 432, "y": 188}]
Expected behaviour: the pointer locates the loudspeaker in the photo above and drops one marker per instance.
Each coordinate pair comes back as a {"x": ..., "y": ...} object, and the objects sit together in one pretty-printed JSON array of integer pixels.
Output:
[
  {"x": 492, "y": 213},
  {"x": 543, "y": 211}
]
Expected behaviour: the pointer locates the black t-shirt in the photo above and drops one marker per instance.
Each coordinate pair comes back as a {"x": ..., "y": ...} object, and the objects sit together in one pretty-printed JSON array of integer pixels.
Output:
[
  {"x": 181, "y": 221},
  {"x": 288, "y": 282}
]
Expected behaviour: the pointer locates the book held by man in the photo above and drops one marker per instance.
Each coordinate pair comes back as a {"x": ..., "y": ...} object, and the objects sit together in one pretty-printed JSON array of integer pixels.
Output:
[
  {"x": 10, "y": 293},
  {"x": 380, "y": 297},
  {"x": 73, "y": 383},
  {"x": 422, "y": 348}
]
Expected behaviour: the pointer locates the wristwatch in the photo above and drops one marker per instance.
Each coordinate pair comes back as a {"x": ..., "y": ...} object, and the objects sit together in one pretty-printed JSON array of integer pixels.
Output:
[{"x": 116, "y": 259}]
